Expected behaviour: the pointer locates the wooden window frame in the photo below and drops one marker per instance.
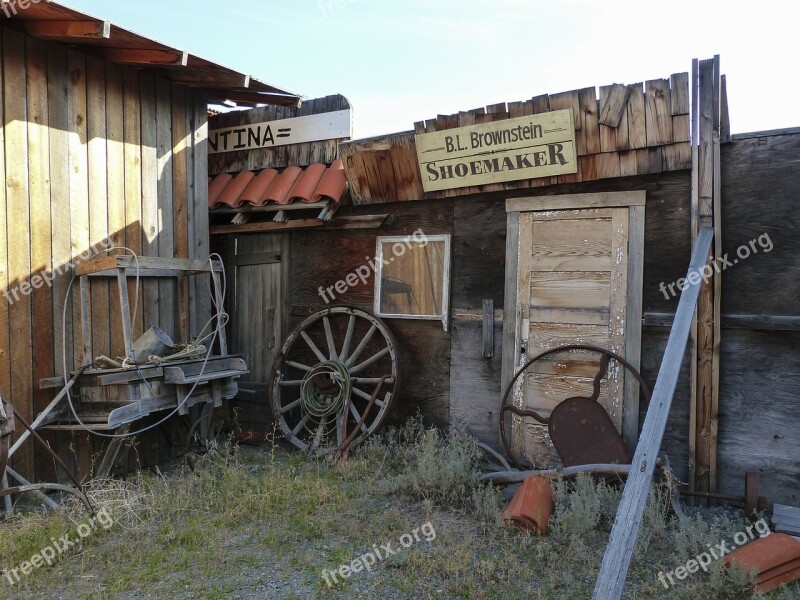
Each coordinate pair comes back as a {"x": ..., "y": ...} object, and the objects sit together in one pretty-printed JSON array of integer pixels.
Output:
[{"x": 444, "y": 317}]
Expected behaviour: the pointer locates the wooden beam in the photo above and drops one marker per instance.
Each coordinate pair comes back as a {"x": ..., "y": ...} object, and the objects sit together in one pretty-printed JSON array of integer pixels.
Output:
[
  {"x": 66, "y": 31},
  {"x": 359, "y": 222},
  {"x": 207, "y": 79},
  {"x": 743, "y": 322},
  {"x": 253, "y": 97},
  {"x": 133, "y": 56},
  {"x": 618, "y": 554}
]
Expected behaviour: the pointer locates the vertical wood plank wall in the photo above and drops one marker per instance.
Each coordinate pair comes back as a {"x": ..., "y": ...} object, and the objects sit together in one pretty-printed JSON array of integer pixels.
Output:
[{"x": 89, "y": 151}]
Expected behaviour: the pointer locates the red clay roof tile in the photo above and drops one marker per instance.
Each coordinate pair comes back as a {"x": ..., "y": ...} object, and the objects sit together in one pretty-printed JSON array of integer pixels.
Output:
[
  {"x": 216, "y": 186},
  {"x": 231, "y": 195},
  {"x": 333, "y": 183},
  {"x": 305, "y": 186},
  {"x": 315, "y": 183},
  {"x": 256, "y": 190}
]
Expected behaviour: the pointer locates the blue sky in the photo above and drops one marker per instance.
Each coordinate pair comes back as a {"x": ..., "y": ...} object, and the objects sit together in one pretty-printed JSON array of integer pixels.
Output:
[{"x": 400, "y": 61}]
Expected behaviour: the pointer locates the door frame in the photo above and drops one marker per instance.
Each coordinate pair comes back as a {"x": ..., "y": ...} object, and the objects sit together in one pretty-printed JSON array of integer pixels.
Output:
[{"x": 635, "y": 202}]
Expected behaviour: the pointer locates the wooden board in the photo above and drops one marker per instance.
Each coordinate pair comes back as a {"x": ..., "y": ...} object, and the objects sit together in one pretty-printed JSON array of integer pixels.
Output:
[
  {"x": 41, "y": 260},
  {"x": 19, "y": 249}
]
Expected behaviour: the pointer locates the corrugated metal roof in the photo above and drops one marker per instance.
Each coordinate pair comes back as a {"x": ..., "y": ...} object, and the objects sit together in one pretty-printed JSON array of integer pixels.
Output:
[{"x": 315, "y": 183}]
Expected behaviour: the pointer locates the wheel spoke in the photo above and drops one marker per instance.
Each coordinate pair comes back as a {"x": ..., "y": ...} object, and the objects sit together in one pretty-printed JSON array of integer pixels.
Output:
[
  {"x": 372, "y": 380},
  {"x": 366, "y": 396},
  {"x": 348, "y": 338},
  {"x": 300, "y": 425},
  {"x": 313, "y": 346},
  {"x": 291, "y": 383},
  {"x": 370, "y": 360},
  {"x": 290, "y": 406},
  {"x": 360, "y": 348},
  {"x": 298, "y": 365},
  {"x": 329, "y": 338}
]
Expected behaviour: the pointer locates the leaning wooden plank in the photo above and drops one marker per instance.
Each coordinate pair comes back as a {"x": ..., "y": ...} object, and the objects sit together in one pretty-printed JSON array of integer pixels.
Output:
[
  {"x": 658, "y": 112},
  {"x": 618, "y": 554},
  {"x": 613, "y": 102}
]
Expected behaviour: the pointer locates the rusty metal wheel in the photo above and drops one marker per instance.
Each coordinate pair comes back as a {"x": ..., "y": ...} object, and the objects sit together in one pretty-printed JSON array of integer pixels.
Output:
[
  {"x": 337, "y": 371},
  {"x": 579, "y": 428}
]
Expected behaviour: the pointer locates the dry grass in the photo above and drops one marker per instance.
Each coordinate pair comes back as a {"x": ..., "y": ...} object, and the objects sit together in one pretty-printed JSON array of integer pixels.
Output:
[{"x": 264, "y": 523}]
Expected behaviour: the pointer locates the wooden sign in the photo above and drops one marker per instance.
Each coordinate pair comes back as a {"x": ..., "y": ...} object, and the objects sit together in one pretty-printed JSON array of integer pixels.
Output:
[
  {"x": 540, "y": 145},
  {"x": 311, "y": 128}
]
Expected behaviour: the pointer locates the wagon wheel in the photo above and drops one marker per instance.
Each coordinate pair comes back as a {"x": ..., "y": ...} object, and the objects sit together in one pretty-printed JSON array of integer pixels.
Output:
[
  {"x": 606, "y": 357},
  {"x": 328, "y": 370}
]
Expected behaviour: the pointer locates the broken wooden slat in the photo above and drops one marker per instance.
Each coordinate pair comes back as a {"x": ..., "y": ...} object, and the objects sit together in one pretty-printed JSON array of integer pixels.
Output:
[
  {"x": 618, "y": 554},
  {"x": 613, "y": 102},
  {"x": 658, "y": 112}
]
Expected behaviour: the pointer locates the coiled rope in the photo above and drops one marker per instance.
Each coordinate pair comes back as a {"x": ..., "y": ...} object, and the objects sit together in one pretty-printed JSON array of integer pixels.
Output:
[{"x": 325, "y": 389}]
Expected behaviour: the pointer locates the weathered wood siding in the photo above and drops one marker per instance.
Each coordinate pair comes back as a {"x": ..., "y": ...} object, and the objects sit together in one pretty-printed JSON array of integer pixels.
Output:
[
  {"x": 89, "y": 151},
  {"x": 447, "y": 377},
  {"x": 624, "y": 131},
  {"x": 323, "y": 258}
]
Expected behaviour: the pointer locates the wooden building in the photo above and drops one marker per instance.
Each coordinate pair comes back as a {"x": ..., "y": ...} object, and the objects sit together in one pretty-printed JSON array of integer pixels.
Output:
[
  {"x": 104, "y": 141},
  {"x": 580, "y": 256}
]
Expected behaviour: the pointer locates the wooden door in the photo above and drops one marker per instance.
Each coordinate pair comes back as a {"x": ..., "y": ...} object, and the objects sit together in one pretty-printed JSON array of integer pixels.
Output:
[
  {"x": 577, "y": 280},
  {"x": 257, "y": 272}
]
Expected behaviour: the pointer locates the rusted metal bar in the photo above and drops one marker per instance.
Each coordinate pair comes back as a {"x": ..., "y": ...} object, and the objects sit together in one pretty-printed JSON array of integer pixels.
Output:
[
  {"x": 343, "y": 452},
  {"x": 47, "y": 447}
]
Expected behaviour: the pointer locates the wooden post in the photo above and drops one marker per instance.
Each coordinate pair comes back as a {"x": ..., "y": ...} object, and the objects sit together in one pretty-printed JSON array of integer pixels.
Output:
[
  {"x": 705, "y": 364},
  {"x": 617, "y": 558}
]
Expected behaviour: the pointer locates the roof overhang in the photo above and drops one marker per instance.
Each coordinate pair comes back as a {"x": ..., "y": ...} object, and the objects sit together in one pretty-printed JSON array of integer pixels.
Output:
[{"x": 51, "y": 21}]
